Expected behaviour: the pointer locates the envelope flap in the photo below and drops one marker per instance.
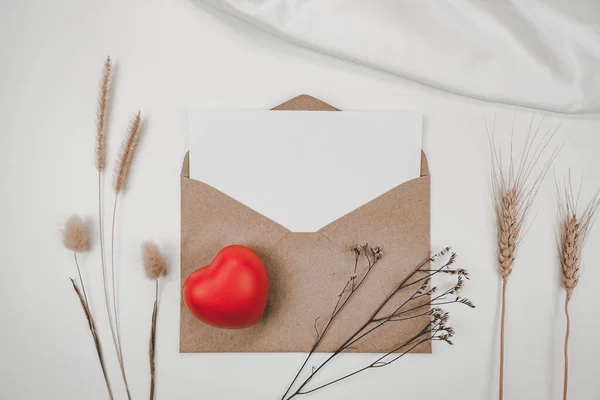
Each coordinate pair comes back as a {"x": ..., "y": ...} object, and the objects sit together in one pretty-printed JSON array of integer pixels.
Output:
[
  {"x": 305, "y": 102},
  {"x": 424, "y": 164},
  {"x": 185, "y": 168}
]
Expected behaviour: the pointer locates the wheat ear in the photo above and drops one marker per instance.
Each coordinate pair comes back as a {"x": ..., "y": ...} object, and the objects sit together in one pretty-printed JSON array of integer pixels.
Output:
[
  {"x": 573, "y": 233},
  {"x": 514, "y": 191},
  {"x": 122, "y": 169}
]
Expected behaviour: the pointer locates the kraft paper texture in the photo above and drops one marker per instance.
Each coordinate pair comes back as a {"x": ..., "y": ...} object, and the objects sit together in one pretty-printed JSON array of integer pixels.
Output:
[{"x": 307, "y": 271}]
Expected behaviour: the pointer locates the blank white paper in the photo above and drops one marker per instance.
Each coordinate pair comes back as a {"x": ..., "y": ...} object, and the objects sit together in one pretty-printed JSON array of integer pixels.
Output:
[{"x": 304, "y": 169}]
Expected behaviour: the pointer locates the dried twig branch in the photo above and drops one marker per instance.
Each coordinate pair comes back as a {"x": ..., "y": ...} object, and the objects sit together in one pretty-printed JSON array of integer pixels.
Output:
[
  {"x": 435, "y": 329},
  {"x": 343, "y": 298}
]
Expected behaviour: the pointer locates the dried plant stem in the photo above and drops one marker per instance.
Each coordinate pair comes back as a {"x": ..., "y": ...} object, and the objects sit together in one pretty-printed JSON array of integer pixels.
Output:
[
  {"x": 502, "y": 325},
  {"x": 114, "y": 301},
  {"x": 81, "y": 280},
  {"x": 103, "y": 263},
  {"x": 92, "y": 326},
  {"x": 338, "y": 307},
  {"x": 374, "y": 364},
  {"x": 104, "y": 274},
  {"x": 103, "y": 257},
  {"x": 567, "y": 333},
  {"x": 152, "y": 344}
]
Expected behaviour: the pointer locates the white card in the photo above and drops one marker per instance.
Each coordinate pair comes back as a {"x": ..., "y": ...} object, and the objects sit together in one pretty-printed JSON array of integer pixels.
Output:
[{"x": 304, "y": 169}]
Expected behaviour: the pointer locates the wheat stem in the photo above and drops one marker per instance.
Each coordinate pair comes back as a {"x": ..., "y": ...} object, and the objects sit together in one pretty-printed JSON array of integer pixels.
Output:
[
  {"x": 502, "y": 325},
  {"x": 567, "y": 333}
]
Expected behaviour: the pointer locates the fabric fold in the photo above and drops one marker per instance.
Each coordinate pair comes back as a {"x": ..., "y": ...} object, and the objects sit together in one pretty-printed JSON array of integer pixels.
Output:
[{"x": 537, "y": 54}]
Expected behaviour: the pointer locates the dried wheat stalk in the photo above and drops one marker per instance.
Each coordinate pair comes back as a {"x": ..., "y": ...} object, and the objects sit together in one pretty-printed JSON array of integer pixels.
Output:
[
  {"x": 573, "y": 233},
  {"x": 514, "y": 192}
]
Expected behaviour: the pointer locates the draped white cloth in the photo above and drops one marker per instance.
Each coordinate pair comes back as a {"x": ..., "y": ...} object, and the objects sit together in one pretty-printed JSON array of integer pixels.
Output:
[{"x": 542, "y": 54}]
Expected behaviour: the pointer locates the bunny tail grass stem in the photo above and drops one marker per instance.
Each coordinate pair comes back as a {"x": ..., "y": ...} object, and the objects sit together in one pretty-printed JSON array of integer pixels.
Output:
[
  {"x": 154, "y": 267},
  {"x": 87, "y": 304},
  {"x": 502, "y": 324},
  {"x": 152, "y": 343},
  {"x": 92, "y": 327},
  {"x": 567, "y": 333},
  {"x": 114, "y": 301}
]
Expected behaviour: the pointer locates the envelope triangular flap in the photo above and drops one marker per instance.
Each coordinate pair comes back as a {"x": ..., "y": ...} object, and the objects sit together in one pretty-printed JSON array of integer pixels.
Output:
[{"x": 306, "y": 270}]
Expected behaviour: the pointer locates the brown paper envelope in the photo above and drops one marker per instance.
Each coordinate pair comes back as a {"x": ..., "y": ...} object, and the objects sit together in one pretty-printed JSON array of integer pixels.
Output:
[{"x": 307, "y": 271}]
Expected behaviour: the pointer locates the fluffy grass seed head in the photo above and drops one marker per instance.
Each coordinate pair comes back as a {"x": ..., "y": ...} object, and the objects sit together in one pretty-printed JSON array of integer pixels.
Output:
[
  {"x": 154, "y": 261},
  {"x": 76, "y": 235}
]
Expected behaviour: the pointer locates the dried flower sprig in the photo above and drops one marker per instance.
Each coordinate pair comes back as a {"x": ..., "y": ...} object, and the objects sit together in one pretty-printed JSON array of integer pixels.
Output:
[
  {"x": 123, "y": 166},
  {"x": 76, "y": 239},
  {"x": 514, "y": 193},
  {"x": 154, "y": 267},
  {"x": 574, "y": 229},
  {"x": 346, "y": 294},
  {"x": 418, "y": 281}
]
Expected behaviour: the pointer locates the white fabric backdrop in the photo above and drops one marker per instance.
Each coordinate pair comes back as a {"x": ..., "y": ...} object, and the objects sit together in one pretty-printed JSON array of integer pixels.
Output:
[
  {"x": 169, "y": 56},
  {"x": 540, "y": 54}
]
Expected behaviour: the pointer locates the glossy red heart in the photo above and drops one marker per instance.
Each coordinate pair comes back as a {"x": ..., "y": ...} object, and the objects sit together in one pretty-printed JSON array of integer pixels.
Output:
[{"x": 231, "y": 292}]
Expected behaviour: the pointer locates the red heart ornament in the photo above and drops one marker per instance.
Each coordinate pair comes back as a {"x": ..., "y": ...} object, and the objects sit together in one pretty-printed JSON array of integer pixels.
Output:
[{"x": 231, "y": 292}]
